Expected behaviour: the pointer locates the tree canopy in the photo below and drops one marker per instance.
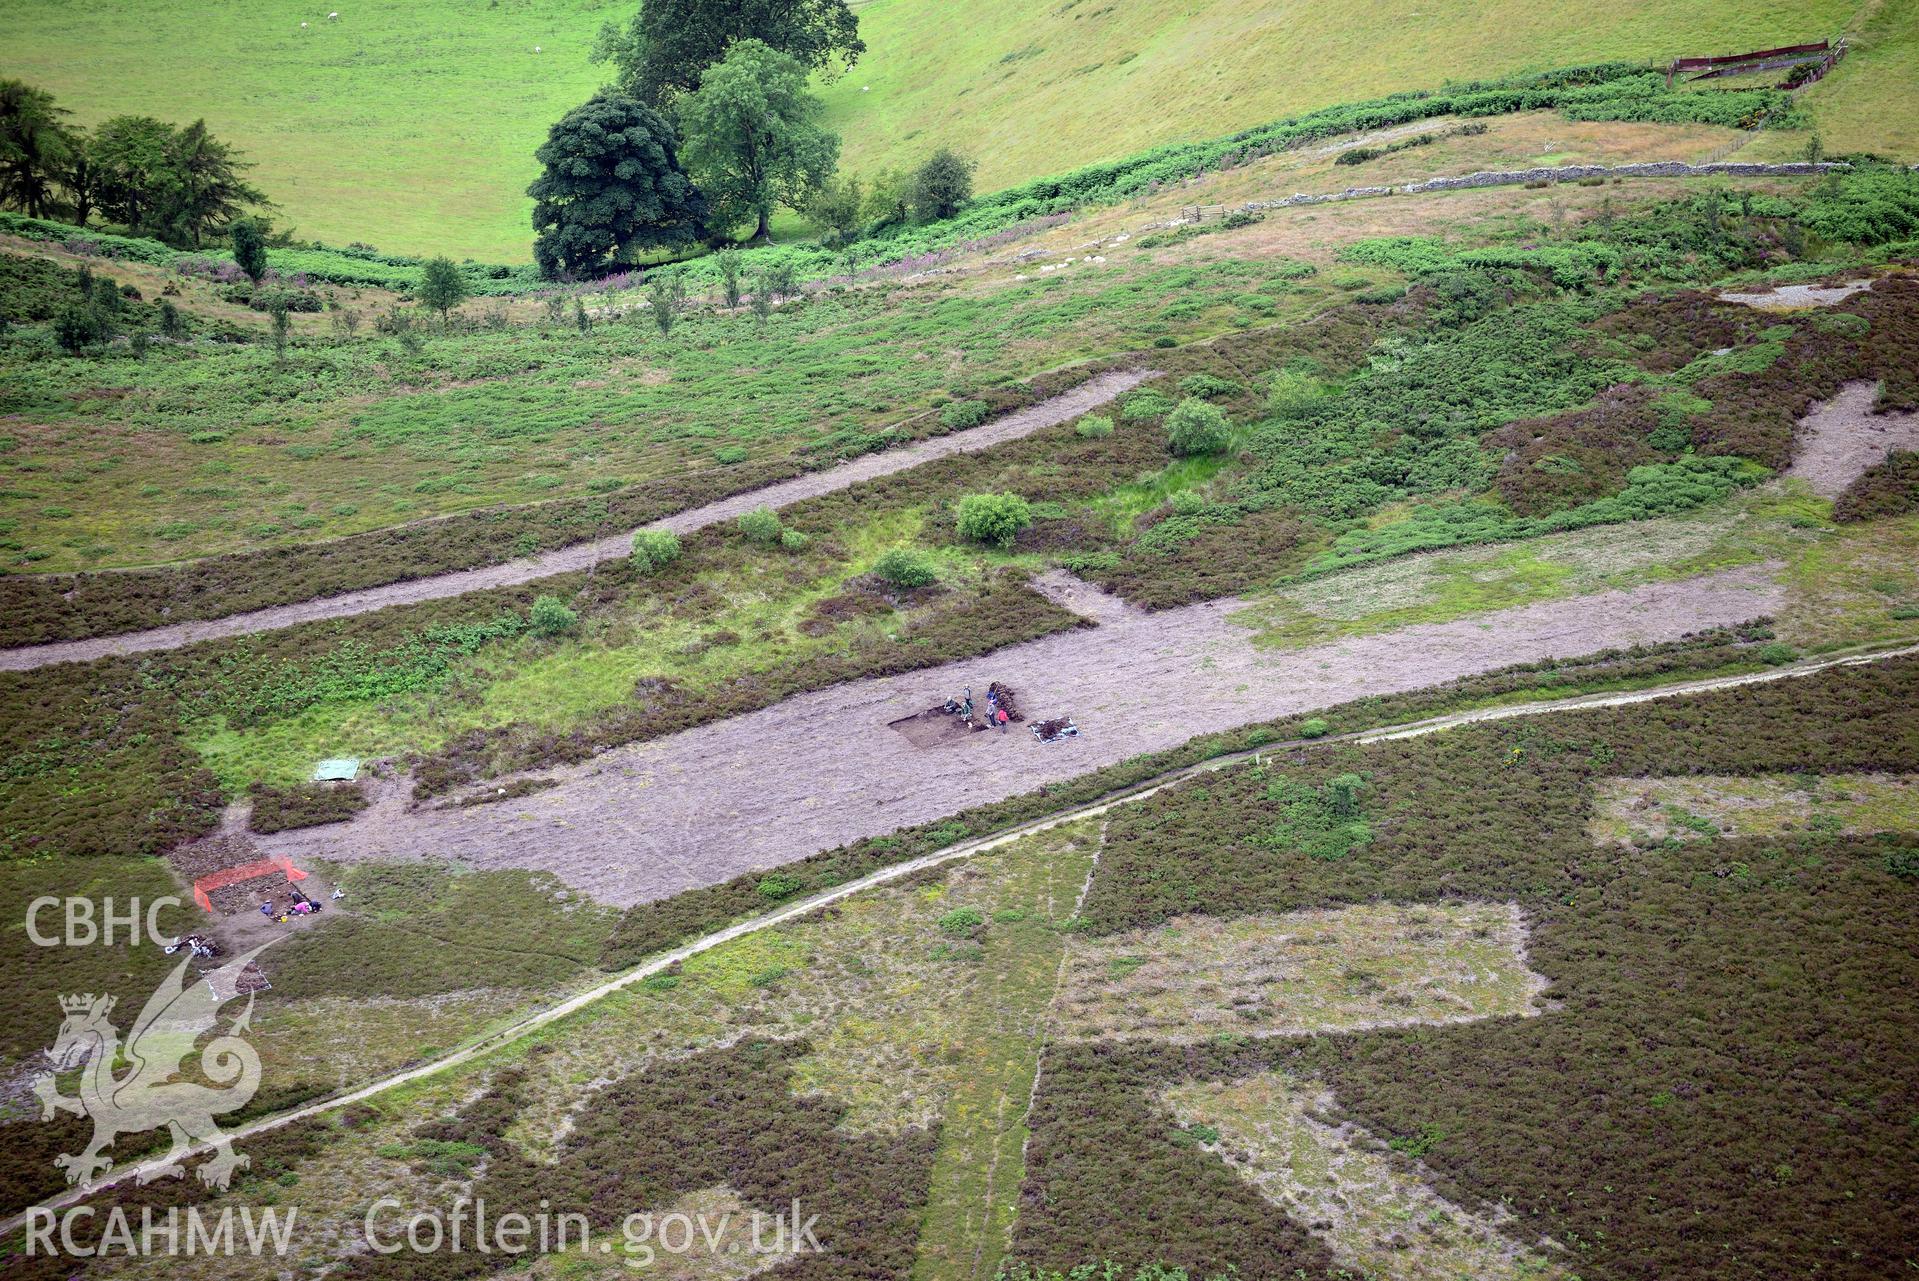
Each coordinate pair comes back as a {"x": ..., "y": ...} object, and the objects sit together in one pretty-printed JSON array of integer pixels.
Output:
[
  {"x": 752, "y": 137},
  {"x": 34, "y": 144},
  {"x": 942, "y": 185},
  {"x": 666, "y": 46},
  {"x": 204, "y": 189},
  {"x": 612, "y": 182},
  {"x": 178, "y": 184},
  {"x": 442, "y": 287}
]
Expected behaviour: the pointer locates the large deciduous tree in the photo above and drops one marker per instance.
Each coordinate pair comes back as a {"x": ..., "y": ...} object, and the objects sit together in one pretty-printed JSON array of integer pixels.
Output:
[
  {"x": 612, "y": 182},
  {"x": 666, "y": 46},
  {"x": 34, "y": 144},
  {"x": 442, "y": 287},
  {"x": 753, "y": 140},
  {"x": 942, "y": 185}
]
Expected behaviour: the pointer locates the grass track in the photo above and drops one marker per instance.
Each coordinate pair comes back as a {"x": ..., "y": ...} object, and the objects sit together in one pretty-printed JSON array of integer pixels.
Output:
[{"x": 412, "y": 125}]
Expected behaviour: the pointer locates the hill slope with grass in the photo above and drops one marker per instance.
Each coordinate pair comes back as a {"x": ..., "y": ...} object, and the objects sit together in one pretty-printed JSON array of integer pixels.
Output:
[{"x": 412, "y": 125}]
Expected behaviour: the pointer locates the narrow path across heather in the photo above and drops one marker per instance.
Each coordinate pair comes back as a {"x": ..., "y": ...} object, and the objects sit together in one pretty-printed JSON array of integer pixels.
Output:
[
  {"x": 699, "y": 807},
  {"x": 1058, "y": 409}
]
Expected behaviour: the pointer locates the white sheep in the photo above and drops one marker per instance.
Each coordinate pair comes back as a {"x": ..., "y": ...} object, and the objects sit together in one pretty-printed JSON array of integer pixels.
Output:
[
  {"x": 334, "y": 16},
  {"x": 536, "y": 48}
]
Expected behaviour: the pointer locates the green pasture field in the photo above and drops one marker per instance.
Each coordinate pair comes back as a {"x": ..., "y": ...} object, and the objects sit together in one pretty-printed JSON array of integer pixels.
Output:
[{"x": 413, "y": 126}]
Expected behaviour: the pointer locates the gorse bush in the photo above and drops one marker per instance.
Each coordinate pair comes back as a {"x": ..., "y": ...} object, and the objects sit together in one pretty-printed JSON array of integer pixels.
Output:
[
  {"x": 551, "y": 616},
  {"x": 762, "y": 525},
  {"x": 1320, "y": 823},
  {"x": 1145, "y": 406},
  {"x": 907, "y": 568},
  {"x": 1207, "y": 386},
  {"x": 654, "y": 549},
  {"x": 993, "y": 519},
  {"x": 961, "y": 414},
  {"x": 1196, "y": 428},
  {"x": 962, "y": 921}
]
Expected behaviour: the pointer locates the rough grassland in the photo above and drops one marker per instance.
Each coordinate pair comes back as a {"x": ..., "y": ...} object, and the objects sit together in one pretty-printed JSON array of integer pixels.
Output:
[{"x": 412, "y": 125}]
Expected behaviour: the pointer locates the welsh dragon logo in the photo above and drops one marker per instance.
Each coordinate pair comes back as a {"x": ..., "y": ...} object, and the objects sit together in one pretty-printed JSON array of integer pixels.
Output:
[{"x": 136, "y": 1087}]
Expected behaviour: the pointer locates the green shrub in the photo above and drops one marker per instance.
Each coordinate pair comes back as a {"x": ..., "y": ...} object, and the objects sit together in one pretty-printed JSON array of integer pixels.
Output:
[
  {"x": 1295, "y": 394},
  {"x": 1777, "y": 654},
  {"x": 762, "y": 525},
  {"x": 1207, "y": 386},
  {"x": 793, "y": 540},
  {"x": 78, "y": 326},
  {"x": 961, "y": 920},
  {"x": 1094, "y": 427},
  {"x": 654, "y": 549},
  {"x": 777, "y": 887},
  {"x": 1314, "y": 728},
  {"x": 904, "y": 567},
  {"x": 1145, "y": 406},
  {"x": 962, "y": 414},
  {"x": 550, "y": 616},
  {"x": 993, "y": 519},
  {"x": 1197, "y": 428}
]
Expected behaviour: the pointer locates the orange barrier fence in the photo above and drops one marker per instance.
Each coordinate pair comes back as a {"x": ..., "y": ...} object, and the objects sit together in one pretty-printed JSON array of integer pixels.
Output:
[{"x": 244, "y": 872}]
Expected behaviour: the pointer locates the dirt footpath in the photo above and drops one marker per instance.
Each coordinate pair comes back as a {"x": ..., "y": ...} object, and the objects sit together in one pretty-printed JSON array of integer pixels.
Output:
[
  {"x": 1061, "y": 408},
  {"x": 650, "y": 820}
]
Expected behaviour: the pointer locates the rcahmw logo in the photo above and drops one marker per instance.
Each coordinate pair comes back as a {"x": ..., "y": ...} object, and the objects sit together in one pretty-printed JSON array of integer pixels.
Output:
[{"x": 84, "y": 1232}]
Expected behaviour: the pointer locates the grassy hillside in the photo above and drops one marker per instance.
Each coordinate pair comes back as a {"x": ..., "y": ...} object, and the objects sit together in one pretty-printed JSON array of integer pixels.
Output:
[
  {"x": 1873, "y": 106},
  {"x": 1108, "y": 79},
  {"x": 404, "y": 123},
  {"x": 412, "y": 125}
]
